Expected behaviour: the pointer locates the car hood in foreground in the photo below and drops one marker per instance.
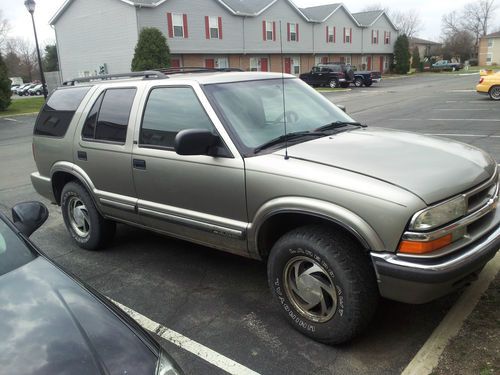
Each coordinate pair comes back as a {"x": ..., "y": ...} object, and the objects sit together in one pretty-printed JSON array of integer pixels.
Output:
[
  {"x": 431, "y": 168},
  {"x": 51, "y": 325}
]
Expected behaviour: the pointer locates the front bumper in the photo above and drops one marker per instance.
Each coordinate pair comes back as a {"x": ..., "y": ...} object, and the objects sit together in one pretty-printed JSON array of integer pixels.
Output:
[
  {"x": 376, "y": 80},
  {"x": 420, "y": 281}
]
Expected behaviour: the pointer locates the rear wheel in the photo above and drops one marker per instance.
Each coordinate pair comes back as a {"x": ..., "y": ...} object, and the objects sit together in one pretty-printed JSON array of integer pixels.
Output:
[
  {"x": 323, "y": 283},
  {"x": 333, "y": 84},
  {"x": 495, "y": 92},
  {"x": 84, "y": 223},
  {"x": 358, "y": 82}
]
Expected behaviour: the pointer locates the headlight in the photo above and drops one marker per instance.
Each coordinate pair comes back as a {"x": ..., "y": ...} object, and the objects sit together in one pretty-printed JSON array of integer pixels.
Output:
[
  {"x": 167, "y": 366},
  {"x": 438, "y": 215}
]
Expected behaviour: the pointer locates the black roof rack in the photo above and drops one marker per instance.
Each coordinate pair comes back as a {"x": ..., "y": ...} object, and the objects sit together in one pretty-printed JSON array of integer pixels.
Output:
[
  {"x": 148, "y": 74},
  {"x": 195, "y": 69}
]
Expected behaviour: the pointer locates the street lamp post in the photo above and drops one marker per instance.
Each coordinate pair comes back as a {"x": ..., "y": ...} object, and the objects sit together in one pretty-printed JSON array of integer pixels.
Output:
[{"x": 30, "y": 5}]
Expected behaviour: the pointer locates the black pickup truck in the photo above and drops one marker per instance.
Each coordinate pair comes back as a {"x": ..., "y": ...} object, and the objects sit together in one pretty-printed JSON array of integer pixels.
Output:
[{"x": 339, "y": 75}]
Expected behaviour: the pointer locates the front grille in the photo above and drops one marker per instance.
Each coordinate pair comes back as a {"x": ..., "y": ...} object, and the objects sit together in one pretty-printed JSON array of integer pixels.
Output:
[{"x": 481, "y": 197}]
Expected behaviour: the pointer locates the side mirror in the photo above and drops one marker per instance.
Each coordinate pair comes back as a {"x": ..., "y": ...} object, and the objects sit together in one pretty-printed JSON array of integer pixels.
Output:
[
  {"x": 342, "y": 107},
  {"x": 195, "y": 142},
  {"x": 29, "y": 216}
]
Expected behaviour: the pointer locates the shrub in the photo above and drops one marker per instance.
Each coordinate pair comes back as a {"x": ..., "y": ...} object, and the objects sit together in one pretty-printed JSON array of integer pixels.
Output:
[
  {"x": 5, "y": 83},
  {"x": 402, "y": 55},
  {"x": 151, "y": 51}
]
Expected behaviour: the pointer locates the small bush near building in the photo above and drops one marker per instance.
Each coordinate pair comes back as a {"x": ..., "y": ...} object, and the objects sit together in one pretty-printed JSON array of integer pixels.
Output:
[
  {"x": 151, "y": 51},
  {"x": 415, "y": 61},
  {"x": 402, "y": 55},
  {"x": 5, "y": 83}
]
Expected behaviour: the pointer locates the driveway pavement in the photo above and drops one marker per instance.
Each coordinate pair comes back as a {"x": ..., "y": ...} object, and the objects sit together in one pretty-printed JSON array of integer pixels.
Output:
[{"x": 222, "y": 301}]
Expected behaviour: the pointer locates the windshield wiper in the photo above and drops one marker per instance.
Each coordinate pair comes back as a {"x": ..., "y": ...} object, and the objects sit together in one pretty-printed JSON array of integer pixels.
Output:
[
  {"x": 288, "y": 137},
  {"x": 337, "y": 125}
]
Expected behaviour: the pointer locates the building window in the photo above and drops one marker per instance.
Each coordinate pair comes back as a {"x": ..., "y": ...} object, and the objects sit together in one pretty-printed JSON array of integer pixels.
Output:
[
  {"x": 217, "y": 63},
  {"x": 347, "y": 35},
  {"x": 387, "y": 37},
  {"x": 269, "y": 30},
  {"x": 213, "y": 27},
  {"x": 490, "y": 43},
  {"x": 320, "y": 59},
  {"x": 331, "y": 34},
  {"x": 347, "y": 60},
  {"x": 374, "y": 36},
  {"x": 293, "y": 32},
  {"x": 292, "y": 65},
  {"x": 177, "y": 25},
  {"x": 489, "y": 58},
  {"x": 259, "y": 64}
]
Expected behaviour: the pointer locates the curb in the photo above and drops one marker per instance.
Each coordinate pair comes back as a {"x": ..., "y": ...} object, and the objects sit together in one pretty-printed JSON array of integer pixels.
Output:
[{"x": 428, "y": 356}]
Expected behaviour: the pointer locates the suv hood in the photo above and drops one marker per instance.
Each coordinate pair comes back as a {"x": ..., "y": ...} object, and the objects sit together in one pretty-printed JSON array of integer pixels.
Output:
[
  {"x": 49, "y": 324},
  {"x": 431, "y": 168}
]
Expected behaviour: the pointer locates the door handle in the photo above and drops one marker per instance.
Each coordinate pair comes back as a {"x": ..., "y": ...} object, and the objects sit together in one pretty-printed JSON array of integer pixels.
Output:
[
  {"x": 82, "y": 155},
  {"x": 139, "y": 164}
]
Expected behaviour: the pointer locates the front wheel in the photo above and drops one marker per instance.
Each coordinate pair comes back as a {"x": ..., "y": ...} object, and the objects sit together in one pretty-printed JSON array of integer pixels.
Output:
[
  {"x": 358, "y": 82},
  {"x": 494, "y": 93},
  {"x": 85, "y": 224},
  {"x": 324, "y": 284},
  {"x": 333, "y": 84}
]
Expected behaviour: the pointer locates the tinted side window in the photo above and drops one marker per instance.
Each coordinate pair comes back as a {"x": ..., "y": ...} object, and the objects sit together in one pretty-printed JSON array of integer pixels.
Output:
[
  {"x": 168, "y": 111},
  {"x": 57, "y": 113},
  {"x": 108, "y": 119}
]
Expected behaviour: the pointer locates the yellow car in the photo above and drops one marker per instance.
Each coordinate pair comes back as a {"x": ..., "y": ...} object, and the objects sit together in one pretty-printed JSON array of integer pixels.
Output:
[{"x": 489, "y": 83}]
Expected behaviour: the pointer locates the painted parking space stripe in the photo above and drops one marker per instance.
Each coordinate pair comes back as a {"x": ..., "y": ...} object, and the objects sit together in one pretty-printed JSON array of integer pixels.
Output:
[
  {"x": 444, "y": 119},
  {"x": 186, "y": 343}
]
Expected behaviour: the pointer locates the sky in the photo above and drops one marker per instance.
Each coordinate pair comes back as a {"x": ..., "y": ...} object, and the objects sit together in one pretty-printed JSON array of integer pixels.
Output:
[{"x": 430, "y": 12}]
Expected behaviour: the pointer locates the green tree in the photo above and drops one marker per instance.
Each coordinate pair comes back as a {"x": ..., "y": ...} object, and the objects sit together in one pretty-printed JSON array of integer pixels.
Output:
[
  {"x": 151, "y": 51},
  {"x": 402, "y": 55},
  {"x": 5, "y": 83},
  {"x": 51, "y": 60},
  {"x": 415, "y": 62}
]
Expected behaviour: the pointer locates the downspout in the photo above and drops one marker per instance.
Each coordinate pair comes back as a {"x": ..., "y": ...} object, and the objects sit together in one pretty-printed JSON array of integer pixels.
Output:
[{"x": 59, "y": 60}]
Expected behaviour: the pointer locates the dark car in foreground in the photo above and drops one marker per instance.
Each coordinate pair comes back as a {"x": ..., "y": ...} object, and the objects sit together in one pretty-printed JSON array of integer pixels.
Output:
[{"x": 51, "y": 323}]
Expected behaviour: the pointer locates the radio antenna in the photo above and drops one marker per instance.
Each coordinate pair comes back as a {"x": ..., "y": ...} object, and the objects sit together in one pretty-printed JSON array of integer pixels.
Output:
[{"x": 283, "y": 92}]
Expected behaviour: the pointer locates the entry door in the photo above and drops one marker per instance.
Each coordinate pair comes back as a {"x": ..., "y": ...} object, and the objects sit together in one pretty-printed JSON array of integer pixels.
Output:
[
  {"x": 381, "y": 64},
  {"x": 263, "y": 65},
  {"x": 369, "y": 63},
  {"x": 210, "y": 63},
  {"x": 199, "y": 198},
  {"x": 288, "y": 65}
]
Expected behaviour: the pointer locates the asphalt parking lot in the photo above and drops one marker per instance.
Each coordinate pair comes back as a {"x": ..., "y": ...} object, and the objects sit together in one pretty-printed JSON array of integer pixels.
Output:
[{"x": 222, "y": 301}]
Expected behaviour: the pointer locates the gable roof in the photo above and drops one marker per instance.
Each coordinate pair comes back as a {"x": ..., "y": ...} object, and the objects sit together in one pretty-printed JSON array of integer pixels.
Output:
[
  {"x": 493, "y": 35},
  {"x": 414, "y": 40},
  {"x": 321, "y": 12},
  {"x": 245, "y": 7},
  {"x": 368, "y": 18}
]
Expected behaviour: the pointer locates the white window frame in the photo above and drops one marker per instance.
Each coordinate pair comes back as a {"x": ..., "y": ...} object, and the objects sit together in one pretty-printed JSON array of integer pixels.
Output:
[
  {"x": 293, "y": 32},
  {"x": 331, "y": 34},
  {"x": 318, "y": 58},
  {"x": 178, "y": 21},
  {"x": 269, "y": 29},
  {"x": 221, "y": 62},
  {"x": 490, "y": 43},
  {"x": 348, "y": 35},
  {"x": 387, "y": 39},
  {"x": 255, "y": 65},
  {"x": 489, "y": 58},
  {"x": 295, "y": 65},
  {"x": 374, "y": 37},
  {"x": 347, "y": 59},
  {"x": 213, "y": 26}
]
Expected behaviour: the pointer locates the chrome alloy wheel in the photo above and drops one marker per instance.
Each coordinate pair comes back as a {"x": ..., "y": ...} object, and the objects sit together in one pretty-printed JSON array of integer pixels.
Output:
[
  {"x": 78, "y": 217},
  {"x": 310, "y": 289},
  {"x": 495, "y": 93}
]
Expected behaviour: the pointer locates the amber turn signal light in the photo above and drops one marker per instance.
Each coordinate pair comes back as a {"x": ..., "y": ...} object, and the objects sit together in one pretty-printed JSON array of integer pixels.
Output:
[{"x": 417, "y": 247}]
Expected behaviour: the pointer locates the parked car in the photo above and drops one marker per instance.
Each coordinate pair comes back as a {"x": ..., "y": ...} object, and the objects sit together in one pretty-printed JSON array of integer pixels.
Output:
[
  {"x": 489, "y": 83},
  {"x": 341, "y": 213},
  {"x": 446, "y": 65},
  {"x": 13, "y": 88},
  {"x": 21, "y": 87},
  {"x": 36, "y": 90},
  {"x": 366, "y": 78},
  {"x": 24, "y": 90},
  {"x": 52, "y": 323},
  {"x": 331, "y": 74}
]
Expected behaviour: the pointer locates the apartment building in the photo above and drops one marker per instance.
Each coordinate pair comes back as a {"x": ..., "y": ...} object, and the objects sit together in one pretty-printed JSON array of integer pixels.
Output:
[
  {"x": 99, "y": 36},
  {"x": 489, "y": 50}
]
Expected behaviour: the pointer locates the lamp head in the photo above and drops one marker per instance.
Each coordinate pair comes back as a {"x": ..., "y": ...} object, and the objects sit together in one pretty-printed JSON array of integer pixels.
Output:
[{"x": 30, "y": 5}]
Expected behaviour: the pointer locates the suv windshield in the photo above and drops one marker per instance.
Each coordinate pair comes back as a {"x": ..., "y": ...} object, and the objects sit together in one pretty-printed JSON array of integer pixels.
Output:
[
  {"x": 255, "y": 113},
  {"x": 13, "y": 252}
]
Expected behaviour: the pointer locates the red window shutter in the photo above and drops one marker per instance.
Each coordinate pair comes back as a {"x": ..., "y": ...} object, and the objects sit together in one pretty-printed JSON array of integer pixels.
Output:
[
  {"x": 170, "y": 25},
  {"x": 274, "y": 31},
  {"x": 185, "y": 22},
  {"x": 207, "y": 28},
  {"x": 297, "y": 31},
  {"x": 344, "y": 34},
  {"x": 334, "y": 34},
  {"x": 288, "y": 31},
  {"x": 220, "y": 27},
  {"x": 327, "y": 35},
  {"x": 350, "y": 33},
  {"x": 264, "y": 34}
]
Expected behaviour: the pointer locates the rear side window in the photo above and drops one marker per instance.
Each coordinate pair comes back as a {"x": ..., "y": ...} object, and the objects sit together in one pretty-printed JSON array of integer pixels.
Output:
[
  {"x": 108, "y": 119},
  {"x": 57, "y": 113}
]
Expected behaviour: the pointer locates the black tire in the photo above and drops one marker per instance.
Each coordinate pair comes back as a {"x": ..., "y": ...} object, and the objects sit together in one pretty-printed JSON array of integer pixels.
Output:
[
  {"x": 494, "y": 92},
  {"x": 345, "y": 269},
  {"x": 334, "y": 83},
  {"x": 100, "y": 231},
  {"x": 358, "y": 82}
]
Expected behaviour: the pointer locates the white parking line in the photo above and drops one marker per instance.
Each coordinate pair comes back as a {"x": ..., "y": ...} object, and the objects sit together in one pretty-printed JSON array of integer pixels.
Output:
[
  {"x": 459, "y": 135},
  {"x": 444, "y": 119},
  {"x": 428, "y": 356},
  {"x": 186, "y": 343},
  {"x": 458, "y": 109}
]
